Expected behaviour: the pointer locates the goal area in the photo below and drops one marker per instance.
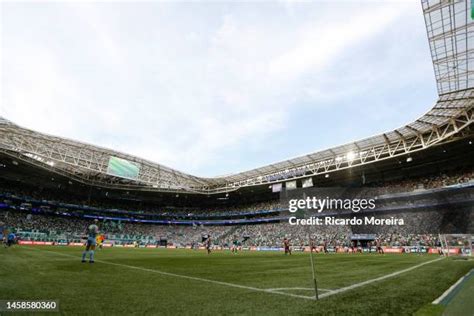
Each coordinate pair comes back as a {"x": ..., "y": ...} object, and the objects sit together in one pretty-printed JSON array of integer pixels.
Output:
[{"x": 456, "y": 244}]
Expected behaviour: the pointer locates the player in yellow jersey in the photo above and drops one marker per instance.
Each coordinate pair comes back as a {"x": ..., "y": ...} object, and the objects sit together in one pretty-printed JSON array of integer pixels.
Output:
[{"x": 100, "y": 240}]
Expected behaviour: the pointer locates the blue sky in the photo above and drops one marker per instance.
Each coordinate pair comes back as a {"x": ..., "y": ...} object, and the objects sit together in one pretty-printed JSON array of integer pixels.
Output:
[{"x": 213, "y": 88}]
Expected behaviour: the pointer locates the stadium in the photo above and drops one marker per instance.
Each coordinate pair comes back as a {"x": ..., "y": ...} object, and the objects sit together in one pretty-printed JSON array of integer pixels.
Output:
[{"x": 172, "y": 243}]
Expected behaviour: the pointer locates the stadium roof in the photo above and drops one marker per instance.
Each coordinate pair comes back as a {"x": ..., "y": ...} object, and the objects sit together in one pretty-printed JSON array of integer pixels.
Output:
[{"x": 450, "y": 31}]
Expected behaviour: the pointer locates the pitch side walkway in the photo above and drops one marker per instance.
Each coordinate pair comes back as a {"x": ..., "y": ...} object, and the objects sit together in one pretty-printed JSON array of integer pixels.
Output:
[{"x": 457, "y": 300}]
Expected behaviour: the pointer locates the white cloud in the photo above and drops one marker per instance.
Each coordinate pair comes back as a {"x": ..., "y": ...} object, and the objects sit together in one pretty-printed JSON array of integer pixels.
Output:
[
  {"x": 192, "y": 86},
  {"x": 322, "y": 41}
]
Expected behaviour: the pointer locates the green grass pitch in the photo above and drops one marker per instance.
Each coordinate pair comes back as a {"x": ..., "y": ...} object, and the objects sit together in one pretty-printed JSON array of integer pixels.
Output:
[{"x": 127, "y": 281}]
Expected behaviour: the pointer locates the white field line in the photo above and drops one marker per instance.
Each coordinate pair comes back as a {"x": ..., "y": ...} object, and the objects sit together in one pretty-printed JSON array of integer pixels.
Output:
[
  {"x": 391, "y": 275},
  {"x": 298, "y": 288},
  {"x": 250, "y": 288},
  {"x": 446, "y": 293}
]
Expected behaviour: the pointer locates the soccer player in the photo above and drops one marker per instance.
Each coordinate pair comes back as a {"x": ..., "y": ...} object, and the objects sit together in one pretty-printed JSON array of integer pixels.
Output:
[
  {"x": 208, "y": 245},
  {"x": 100, "y": 240},
  {"x": 286, "y": 245},
  {"x": 235, "y": 246},
  {"x": 3, "y": 234},
  {"x": 439, "y": 248},
  {"x": 379, "y": 247},
  {"x": 11, "y": 239},
  {"x": 92, "y": 232},
  {"x": 353, "y": 246},
  {"x": 325, "y": 247},
  {"x": 418, "y": 247},
  {"x": 312, "y": 246}
]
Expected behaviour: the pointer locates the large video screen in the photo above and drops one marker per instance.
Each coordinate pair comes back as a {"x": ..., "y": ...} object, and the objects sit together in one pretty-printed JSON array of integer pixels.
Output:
[{"x": 123, "y": 168}]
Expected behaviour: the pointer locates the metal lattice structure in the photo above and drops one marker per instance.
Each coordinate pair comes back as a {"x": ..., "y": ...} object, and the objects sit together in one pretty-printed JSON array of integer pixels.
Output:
[{"x": 450, "y": 31}]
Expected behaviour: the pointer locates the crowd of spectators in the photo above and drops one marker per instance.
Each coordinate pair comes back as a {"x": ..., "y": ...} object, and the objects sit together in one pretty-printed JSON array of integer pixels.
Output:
[
  {"x": 54, "y": 228},
  {"x": 418, "y": 229},
  {"x": 272, "y": 235},
  {"x": 11, "y": 190},
  {"x": 434, "y": 181},
  {"x": 139, "y": 207}
]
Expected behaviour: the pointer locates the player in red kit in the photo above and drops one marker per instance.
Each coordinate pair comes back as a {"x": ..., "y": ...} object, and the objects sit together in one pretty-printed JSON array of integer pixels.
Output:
[
  {"x": 379, "y": 247},
  {"x": 208, "y": 245},
  {"x": 286, "y": 245}
]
